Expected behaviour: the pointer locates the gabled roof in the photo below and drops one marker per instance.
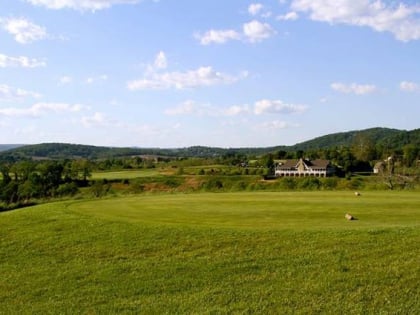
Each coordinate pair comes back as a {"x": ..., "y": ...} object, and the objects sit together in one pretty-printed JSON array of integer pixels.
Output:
[{"x": 318, "y": 163}]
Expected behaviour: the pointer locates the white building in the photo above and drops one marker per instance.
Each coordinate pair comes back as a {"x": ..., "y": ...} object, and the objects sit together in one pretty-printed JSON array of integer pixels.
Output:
[{"x": 301, "y": 168}]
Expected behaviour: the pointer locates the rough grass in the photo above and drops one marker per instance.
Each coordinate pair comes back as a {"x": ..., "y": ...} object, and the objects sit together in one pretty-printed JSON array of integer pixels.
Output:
[{"x": 287, "y": 253}]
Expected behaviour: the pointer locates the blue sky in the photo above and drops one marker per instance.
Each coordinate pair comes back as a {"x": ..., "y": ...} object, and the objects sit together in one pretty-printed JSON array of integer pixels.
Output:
[{"x": 217, "y": 73}]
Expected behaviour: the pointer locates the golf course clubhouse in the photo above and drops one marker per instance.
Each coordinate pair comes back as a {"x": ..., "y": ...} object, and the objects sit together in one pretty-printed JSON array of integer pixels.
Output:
[{"x": 303, "y": 167}]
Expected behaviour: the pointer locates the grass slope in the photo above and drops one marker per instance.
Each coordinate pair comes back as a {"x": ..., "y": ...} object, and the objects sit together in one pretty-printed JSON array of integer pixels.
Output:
[
  {"x": 125, "y": 174},
  {"x": 214, "y": 253}
]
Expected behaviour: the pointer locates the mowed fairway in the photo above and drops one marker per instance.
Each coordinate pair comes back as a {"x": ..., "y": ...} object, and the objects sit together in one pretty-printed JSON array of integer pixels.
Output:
[
  {"x": 281, "y": 210},
  {"x": 280, "y": 253}
]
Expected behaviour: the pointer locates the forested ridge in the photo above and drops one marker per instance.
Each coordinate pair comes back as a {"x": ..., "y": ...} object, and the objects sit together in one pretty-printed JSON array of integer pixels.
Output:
[{"x": 383, "y": 139}]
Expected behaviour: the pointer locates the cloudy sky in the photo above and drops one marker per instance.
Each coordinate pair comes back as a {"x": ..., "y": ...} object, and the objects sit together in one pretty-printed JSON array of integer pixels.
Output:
[{"x": 165, "y": 73}]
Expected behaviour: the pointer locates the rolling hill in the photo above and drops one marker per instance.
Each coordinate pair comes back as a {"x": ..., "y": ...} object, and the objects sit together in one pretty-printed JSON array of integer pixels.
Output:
[{"x": 390, "y": 138}]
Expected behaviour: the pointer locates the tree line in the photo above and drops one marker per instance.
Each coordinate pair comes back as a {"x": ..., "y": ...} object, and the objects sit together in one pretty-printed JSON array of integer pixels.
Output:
[{"x": 24, "y": 180}]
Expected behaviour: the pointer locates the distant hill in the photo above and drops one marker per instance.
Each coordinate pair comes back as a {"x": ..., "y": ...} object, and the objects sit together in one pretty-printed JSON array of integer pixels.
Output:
[
  {"x": 390, "y": 138},
  {"x": 385, "y": 137},
  {"x": 5, "y": 147}
]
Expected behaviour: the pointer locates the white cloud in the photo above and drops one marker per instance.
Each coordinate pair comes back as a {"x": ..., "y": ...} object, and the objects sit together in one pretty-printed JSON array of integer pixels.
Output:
[
  {"x": 161, "y": 61},
  {"x": 255, "y": 8},
  {"x": 9, "y": 93},
  {"x": 97, "y": 119},
  {"x": 40, "y": 108},
  {"x": 291, "y": 16},
  {"x": 236, "y": 110},
  {"x": 256, "y": 31},
  {"x": 65, "y": 80},
  {"x": 401, "y": 20},
  {"x": 21, "y": 61},
  {"x": 354, "y": 88},
  {"x": 23, "y": 30},
  {"x": 186, "y": 108},
  {"x": 409, "y": 86},
  {"x": 82, "y": 5},
  {"x": 192, "y": 108},
  {"x": 92, "y": 80},
  {"x": 217, "y": 36},
  {"x": 203, "y": 76},
  {"x": 253, "y": 32},
  {"x": 266, "y": 106},
  {"x": 276, "y": 124},
  {"x": 260, "y": 107}
]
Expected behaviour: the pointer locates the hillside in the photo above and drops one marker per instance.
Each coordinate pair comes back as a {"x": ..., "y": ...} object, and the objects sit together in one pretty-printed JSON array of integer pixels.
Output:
[
  {"x": 5, "y": 147},
  {"x": 390, "y": 138}
]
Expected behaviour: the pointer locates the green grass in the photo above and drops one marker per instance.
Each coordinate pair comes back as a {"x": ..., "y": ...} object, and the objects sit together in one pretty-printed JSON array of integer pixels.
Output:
[
  {"x": 125, "y": 174},
  {"x": 262, "y": 253}
]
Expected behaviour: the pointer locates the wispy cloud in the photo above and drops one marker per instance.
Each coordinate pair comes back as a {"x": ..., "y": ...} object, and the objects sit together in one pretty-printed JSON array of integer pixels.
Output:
[
  {"x": 217, "y": 36},
  {"x": 23, "y": 30},
  {"x": 255, "y": 8},
  {"x": 21, "y": 61},
  {"x": 254, "y": 31},
  {"x": 193, "y": 108},
  {"x": 39, "y": 109},
  {"x": 9, "y": 93},
  {"x": 189, "y": 108},
  {"x": 203, "y": 76},
  {"x": 290, "y": 16},
  {"x": 65, "y": 80},
  {"x": 161, "y": 61},
  {"x": 353, "y": 88},
  {"x": 260, "y": 107},
  {"x": 92, "y": 80},
  {"x": 276, "y": 124},
  {"x": 95, "y": 120},
  {"x": 401, "y": 20},
  {"x": 408, "y": 86},
  {"x": 266, "y": 106}
]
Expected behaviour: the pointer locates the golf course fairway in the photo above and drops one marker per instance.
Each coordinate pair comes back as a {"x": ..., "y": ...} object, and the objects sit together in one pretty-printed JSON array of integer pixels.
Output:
[{"x": 214, "y": 253}]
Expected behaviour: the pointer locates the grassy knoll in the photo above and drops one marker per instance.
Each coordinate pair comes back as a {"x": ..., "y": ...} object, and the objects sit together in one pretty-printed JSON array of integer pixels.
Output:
[{"x": 214, "y": 253}]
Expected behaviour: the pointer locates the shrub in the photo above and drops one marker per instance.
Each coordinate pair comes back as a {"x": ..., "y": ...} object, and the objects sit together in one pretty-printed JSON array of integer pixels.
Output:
[
  {"x": 100, "y": 188},
  {"x": 67, "y": 189},
  {"x": 213, "y": 184},
  {"x": 136, "y": 186},
  {"x": 288, "y": 183},
  {"x": 311, "y": 183},
  {"x": 330, "y": 183}
]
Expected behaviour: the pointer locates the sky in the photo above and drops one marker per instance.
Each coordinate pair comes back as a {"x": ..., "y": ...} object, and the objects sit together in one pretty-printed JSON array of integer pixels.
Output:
[{"x": 171, "y": 74}]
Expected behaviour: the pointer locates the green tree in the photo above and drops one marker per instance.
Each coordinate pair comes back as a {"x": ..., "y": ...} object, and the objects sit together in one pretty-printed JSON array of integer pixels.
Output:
[
  {"x": 5, "y": 172},
  {"x": 363, "y": 148},
  {"x": 410, "y": 154}
]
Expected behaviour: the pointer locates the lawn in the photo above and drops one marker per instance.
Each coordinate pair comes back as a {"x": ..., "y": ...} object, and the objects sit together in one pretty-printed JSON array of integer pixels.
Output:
[{"x": 287, "y": 253}]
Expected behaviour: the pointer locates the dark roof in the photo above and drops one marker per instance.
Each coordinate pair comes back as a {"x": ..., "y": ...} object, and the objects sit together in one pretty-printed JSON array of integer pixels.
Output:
[{"x": 318, "y": 163}]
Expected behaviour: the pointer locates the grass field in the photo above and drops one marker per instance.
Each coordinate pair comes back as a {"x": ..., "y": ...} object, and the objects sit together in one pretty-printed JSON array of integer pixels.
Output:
[
  {"x": 129, "y": 174},
  {"x": 262, "y": 253}
]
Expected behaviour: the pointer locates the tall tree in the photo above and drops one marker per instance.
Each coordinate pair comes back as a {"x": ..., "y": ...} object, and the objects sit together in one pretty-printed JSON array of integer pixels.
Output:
[{"x": 363, "y": 148}]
